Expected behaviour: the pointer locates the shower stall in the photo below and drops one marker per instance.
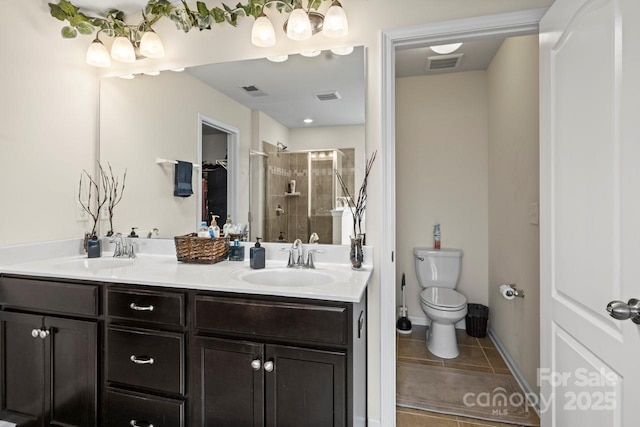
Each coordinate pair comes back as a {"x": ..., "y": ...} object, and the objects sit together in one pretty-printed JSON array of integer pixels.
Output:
[{"x": 300, "y": 191}]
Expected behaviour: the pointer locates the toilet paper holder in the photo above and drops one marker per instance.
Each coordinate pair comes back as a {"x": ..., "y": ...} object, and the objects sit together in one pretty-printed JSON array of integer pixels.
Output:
[{"x": 514, "y": 291}]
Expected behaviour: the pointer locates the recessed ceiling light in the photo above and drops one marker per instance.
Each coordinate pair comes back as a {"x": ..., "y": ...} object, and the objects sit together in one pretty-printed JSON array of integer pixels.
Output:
[
  {"x": 342, "y": 50},
  {"x": 311, "y": 53},
  {"x": 127, "y": 76},
  {"x": 446, "y": 48},
  {"x": 278, "y": 58},
  {"x": 308, "y": 121},
  {"x": 178, "y": 70},
  {"x": 152, "y": 73}
]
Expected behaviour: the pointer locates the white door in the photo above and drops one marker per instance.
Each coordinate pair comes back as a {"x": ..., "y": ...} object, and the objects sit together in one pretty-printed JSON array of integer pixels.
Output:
[{"x": 590, "y": 222}]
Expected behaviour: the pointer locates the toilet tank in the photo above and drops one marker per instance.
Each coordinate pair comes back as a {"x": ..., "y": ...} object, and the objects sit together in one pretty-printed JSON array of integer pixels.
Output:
[{"x": 438, "y": 267}]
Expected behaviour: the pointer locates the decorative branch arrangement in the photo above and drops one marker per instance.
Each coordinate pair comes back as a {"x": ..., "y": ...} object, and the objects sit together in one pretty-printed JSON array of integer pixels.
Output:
[
  {"x": 93, "y": 190},
  {"x": 358, "y": 206},
  {"x": 106, "y": 191},
  {"x": 185, "y": 19},
  {"x": 115, "y": 191}
]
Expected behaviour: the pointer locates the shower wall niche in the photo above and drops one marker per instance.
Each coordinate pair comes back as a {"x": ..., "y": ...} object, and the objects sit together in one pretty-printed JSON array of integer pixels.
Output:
[{"x": 301, "y": 189}]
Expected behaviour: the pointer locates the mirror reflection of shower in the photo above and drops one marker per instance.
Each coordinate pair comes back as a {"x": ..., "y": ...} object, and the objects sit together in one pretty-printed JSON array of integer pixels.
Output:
[{"x": 302, "y": 194}]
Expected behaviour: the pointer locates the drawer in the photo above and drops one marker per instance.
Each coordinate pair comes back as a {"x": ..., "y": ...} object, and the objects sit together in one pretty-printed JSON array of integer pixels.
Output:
[
  {"x": 270, "y": 319},
  {"x": 133, "y": 409},
  {"x": 147, "y": 359},
  {"x": 50, "y": 296},
  {"x": 148, "y": 306}
]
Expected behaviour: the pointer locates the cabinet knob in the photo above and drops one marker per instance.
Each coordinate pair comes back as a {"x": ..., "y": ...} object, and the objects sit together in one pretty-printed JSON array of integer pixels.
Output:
[
  {"x": 142, "y": 360},
  {"x": 269, "y": 366},
  {"x": 137, "y": 423},
  {"x": 44, "y": 333},
  {"x": 136, "y": 307},
  {"x": 256, "y": 364},
  {"x": 35, "y": 333}
]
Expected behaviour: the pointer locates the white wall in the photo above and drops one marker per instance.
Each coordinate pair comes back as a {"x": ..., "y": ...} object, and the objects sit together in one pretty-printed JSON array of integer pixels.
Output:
[
  {"x": 442, "y": 177},
  {"x": 214, "y": 147},
  {"x": 513, "y": 184},
  {"x": 56, "y": 68},
  {"x": 48, "y": 126},
  {"x": 165, "y": 125}
]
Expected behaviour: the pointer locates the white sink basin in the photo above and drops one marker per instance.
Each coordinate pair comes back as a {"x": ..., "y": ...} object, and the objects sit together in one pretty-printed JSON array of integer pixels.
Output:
[
  {"x": 285, "y": 276},
  {"x": 94, "y": 264}
]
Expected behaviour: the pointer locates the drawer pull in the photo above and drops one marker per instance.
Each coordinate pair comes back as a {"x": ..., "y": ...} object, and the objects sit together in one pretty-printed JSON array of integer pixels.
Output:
[
  {"x": 35, "y": 333},
  {"x": 134, "y": 306},
  {"x": 269, "y": 366},
  {"x": 142, "y": 361},
  {"x": 136, "y": 423},
  {"x": 256, "y": 364}
]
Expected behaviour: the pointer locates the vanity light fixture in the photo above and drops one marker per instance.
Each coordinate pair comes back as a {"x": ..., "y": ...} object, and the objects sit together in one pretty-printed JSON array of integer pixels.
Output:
[
  {"x": 311, "y": 53},
  {"x": 150, "y": 45},
  {"x": 335, "y": 22},
  {"x": 178, "y": 70},
  {"x": 262, "y": 33},
  {"x": 152, "y": 73},
  {"x": 127, "y": 76},
  {"x": 122, "y": 50},
  {"x": 444, "y": 49}
]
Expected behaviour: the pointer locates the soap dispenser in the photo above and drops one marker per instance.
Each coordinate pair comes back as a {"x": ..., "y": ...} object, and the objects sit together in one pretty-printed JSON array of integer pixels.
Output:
[
  {"x": 214, "y": 230},
  {"x": 257, "y": 255}
]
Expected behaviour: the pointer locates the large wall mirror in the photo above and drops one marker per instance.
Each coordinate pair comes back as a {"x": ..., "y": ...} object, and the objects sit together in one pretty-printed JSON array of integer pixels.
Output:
[{"x": 242, "y": 126}]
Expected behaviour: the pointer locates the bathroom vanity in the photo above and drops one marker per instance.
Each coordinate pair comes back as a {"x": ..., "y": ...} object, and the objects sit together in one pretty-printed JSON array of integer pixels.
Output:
[{"x": 186, "y": 345}]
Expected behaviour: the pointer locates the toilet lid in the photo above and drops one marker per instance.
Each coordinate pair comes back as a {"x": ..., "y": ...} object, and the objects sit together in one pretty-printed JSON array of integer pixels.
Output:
[{"x": 443, "y": 298}]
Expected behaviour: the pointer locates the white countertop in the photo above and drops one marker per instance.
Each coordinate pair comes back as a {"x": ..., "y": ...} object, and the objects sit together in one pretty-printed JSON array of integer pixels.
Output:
[{"x": 165, "y": 270}]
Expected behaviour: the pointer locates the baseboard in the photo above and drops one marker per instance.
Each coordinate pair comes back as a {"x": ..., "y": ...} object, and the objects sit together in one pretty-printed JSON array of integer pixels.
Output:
[
  {"x": 373, "y": 423},
  {"x": 513, "y": 367},
  {"x": 424, "y": 321}
]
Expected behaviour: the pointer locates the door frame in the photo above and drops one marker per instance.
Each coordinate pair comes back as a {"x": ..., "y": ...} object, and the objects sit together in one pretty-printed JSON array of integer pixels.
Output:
[
  {"x": 504, "y": 24},
  {"x": 233, "y": 164}
]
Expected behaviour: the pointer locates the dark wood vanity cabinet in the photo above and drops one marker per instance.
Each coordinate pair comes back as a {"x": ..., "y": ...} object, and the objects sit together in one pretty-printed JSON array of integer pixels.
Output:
[
  {"x": 84, "y": 354},
  {"x": 274, "y": 362},
  {"x": 48, "y": 363}
]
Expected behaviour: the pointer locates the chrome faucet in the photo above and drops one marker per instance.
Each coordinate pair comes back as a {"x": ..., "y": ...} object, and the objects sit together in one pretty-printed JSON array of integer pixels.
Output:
[
  {"x": 310, "y": 253},
  {"x": 297, "y": 246},
  {"x": 297, "y": 260},
  {"x": 124, "y": 247}
]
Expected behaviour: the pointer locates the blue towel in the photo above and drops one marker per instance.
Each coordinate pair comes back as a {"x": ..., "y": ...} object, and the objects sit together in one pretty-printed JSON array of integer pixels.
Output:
[{"x": 183, "y": 173}]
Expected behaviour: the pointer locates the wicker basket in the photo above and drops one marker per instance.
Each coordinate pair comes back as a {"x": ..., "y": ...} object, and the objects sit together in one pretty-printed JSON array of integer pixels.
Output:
[{"x": 201, "y": 250}]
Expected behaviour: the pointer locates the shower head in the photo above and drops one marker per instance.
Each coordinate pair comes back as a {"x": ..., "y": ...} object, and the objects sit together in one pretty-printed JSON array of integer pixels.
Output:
[{"x": 281, "y": 146}]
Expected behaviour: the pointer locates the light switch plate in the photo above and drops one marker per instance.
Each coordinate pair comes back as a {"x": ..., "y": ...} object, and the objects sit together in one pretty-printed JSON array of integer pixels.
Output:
[{"x": 534, "y": 214}]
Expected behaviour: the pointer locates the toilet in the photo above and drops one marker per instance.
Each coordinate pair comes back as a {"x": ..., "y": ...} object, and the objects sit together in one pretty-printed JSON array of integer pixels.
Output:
[{"x": 438, "y": 272}]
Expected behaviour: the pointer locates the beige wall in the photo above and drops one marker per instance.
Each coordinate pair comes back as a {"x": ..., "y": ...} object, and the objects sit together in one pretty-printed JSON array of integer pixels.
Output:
[
  {"x": 441, "y": 173},
  {"x": 133, "y": 135},
  {"x": 48, "y": 126},
  {"x": 52, "y": 70},
  {"x": 513, "y": 184}
]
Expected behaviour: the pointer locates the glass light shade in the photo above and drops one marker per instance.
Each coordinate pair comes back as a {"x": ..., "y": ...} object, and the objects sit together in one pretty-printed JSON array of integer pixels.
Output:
[
  {"x": 278, "y": 58},
  {"x": 127, "y": 76},
  {"x": 262, "y": 33},
  {"x": 151, "y": 45},
  {"x": 335, "y": 22},
  {"x": 342, "y": 50},
  {"x": 98, "y": 55},
  {"x": 299, "y": 26},
  {"x": 122, "y": 50},
  {"x": 444, "y": 49},
  {"x": 311, "y": 53}
]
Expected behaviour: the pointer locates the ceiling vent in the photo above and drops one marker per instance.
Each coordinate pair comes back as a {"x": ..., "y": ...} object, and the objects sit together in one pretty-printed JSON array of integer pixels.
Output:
[
  {"x": 328, "y": 96},
  {"x": 252, "y": 90},
  {"x": 444, "y": 62}
]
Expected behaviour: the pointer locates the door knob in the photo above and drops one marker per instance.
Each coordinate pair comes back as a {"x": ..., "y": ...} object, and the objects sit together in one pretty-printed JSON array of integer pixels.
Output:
[
  {"x": 622, "y": 311},
  {"x": 256, "y": 364},
  {"x": 268, "y": 366}
]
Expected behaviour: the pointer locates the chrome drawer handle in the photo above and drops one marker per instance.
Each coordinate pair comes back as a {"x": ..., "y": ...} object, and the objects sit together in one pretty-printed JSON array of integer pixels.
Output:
[
  {"x": 134, "y": 306},
  {"x": 136, "y": 423},
  {"x": 142, "y": 361}
]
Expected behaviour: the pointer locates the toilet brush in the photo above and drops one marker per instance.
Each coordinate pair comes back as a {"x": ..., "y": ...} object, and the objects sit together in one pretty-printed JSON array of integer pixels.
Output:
[{"x": 403, "y": 325}]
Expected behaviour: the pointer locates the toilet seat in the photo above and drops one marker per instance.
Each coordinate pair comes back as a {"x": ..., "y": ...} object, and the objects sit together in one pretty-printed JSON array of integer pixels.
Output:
[{"x": 444, "y": 299}]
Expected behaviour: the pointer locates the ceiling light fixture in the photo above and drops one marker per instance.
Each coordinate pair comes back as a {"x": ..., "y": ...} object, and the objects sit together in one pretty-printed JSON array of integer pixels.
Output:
[
  {"x": 308, "y": 121},
  {"x": 444, "y": 49}
]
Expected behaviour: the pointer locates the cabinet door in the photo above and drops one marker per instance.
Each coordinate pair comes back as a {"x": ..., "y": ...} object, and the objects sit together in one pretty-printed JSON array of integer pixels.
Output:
[
  {"x": 228, "y": 383},
  {"x": 305, "y": 388},
  {"x": 71, "y": 372},
  {"x": 22, "y": 369}
]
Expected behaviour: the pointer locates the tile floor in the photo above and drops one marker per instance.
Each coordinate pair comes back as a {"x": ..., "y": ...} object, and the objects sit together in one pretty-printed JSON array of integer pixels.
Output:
[{"x": 476, "y": 354}]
